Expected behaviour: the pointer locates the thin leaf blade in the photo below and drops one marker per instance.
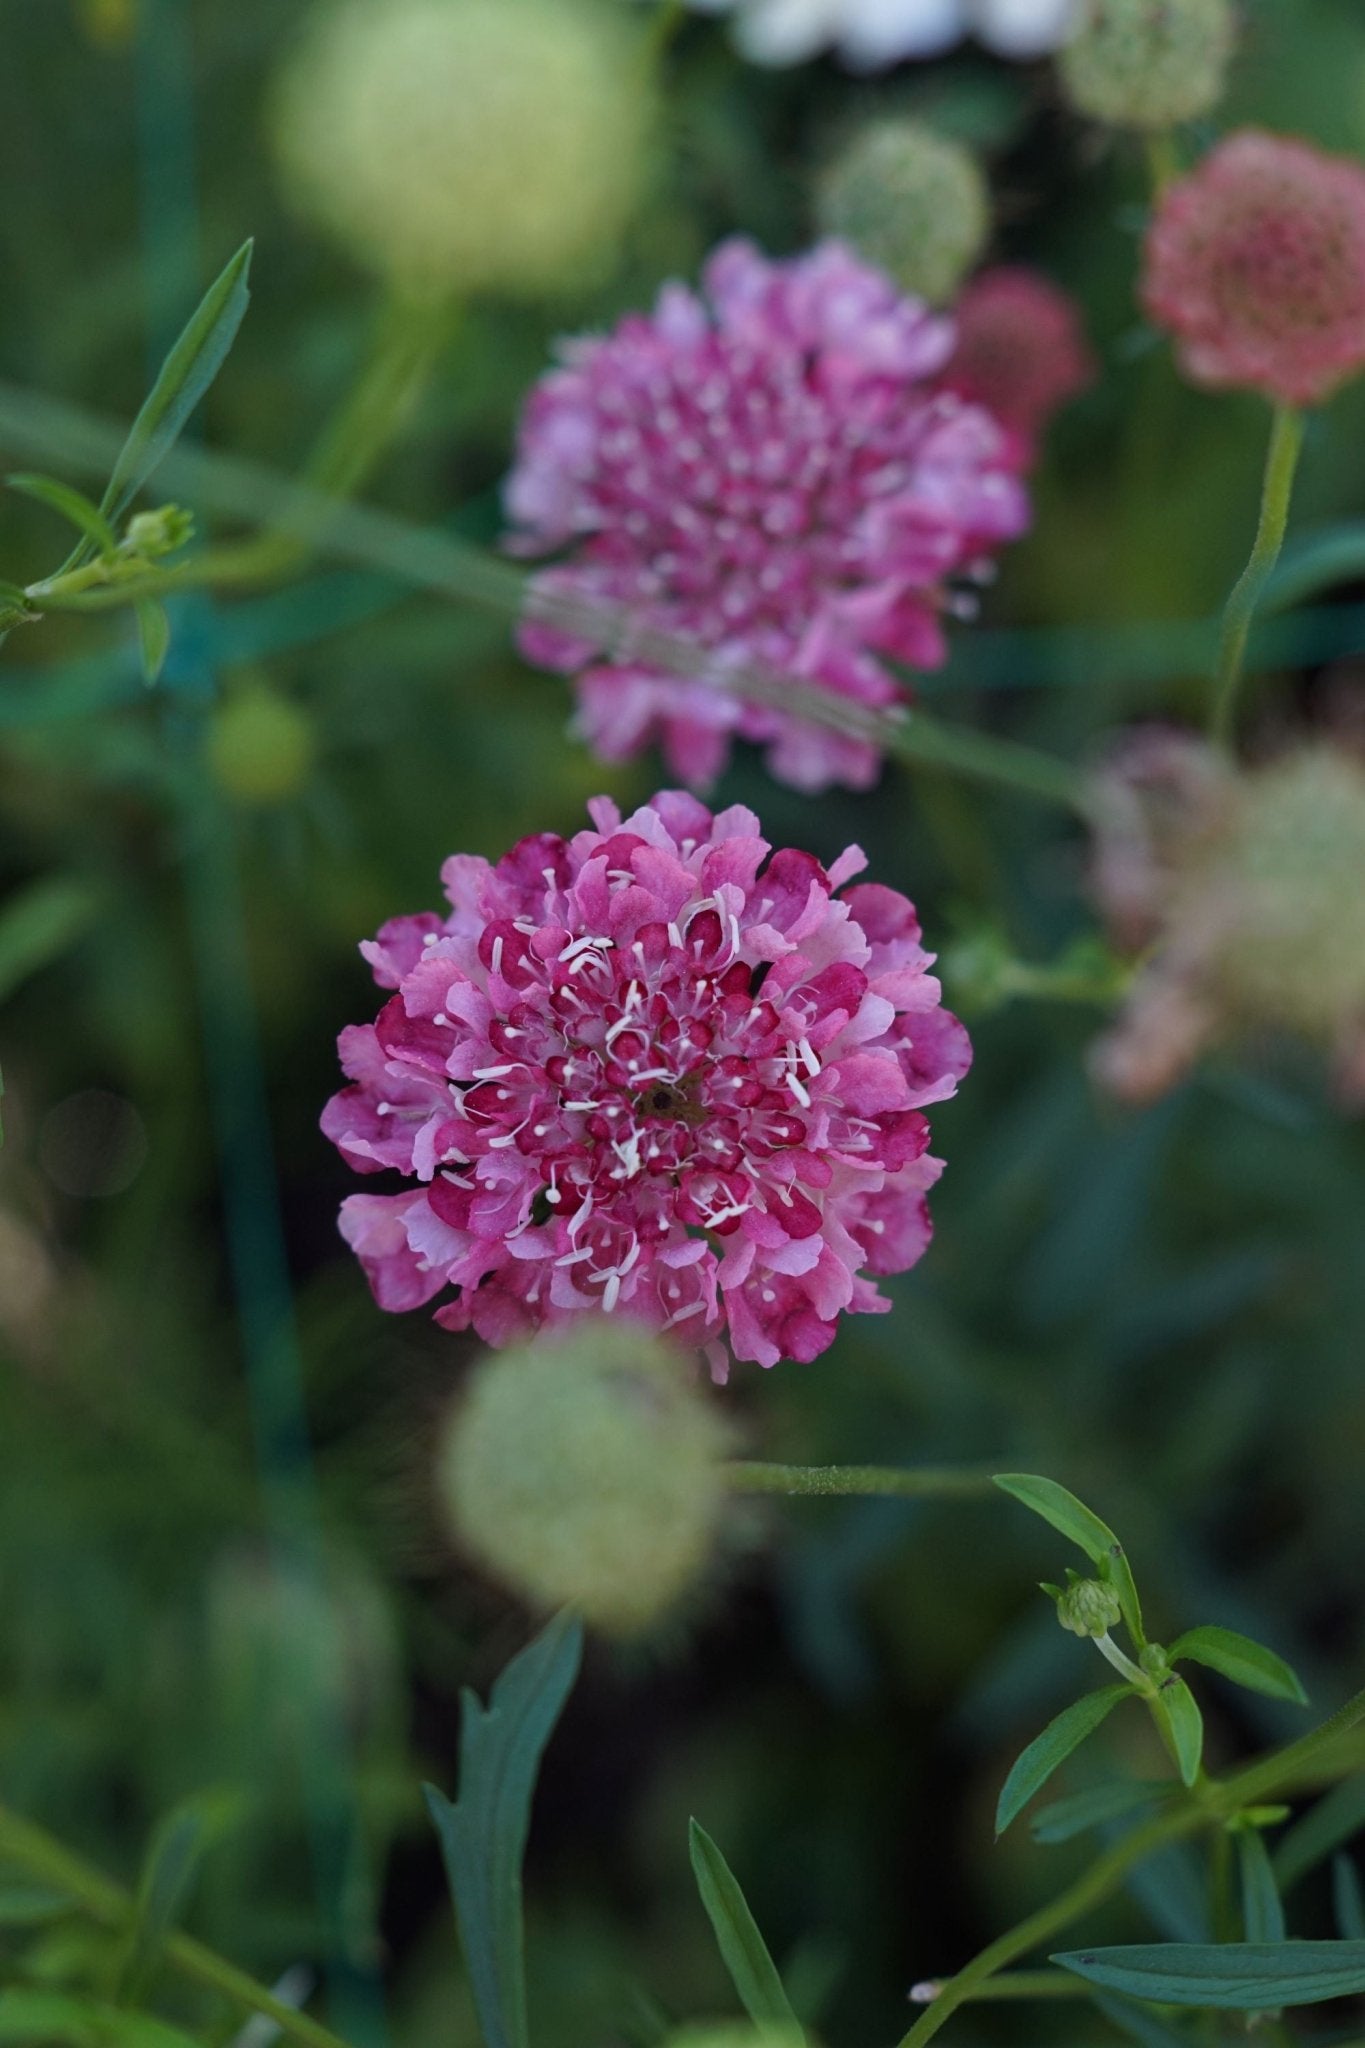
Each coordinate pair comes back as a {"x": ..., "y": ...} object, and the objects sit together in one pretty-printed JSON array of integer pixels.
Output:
[
  {"x": 39, "y": 923},
  {"x": 1262, "y": 1910},
  {"x": 1074, "y": 1520},
  {"x": 742, "y": 1947},
  {"x": 1232, "y": 1976},
  {"x": 1178, "y": 1708},
  {"x": 72, "y": 505},
  {"x": 1036, "y": 1764},
  {"x": 483, "y": 1832},
  {"x": 1239, "y": 1658},
  {"x": 154, "y": 637},
  {"x": 185, "y": 376},
  {"x": 1065, "y": 1818}
]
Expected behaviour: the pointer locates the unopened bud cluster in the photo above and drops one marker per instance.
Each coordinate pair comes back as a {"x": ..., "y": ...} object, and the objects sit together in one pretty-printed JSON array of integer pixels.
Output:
[
  {"x": 1148, "y": 64},
  {"x": 1087, "y": 1607},
  {"x": 911, "y": 201}
]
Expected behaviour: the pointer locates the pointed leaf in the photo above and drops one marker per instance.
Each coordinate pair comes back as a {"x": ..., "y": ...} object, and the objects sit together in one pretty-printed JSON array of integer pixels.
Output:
[
  {"x": 29, "y": 1905},
  {"x": 742, "y": 1947},
  {"x": 28, "y": 2016},
  {"x": 1348, "y": 1899},
  {"x": 1262, "y": 1913},
  {"x": 1177, "y": 1707},
  {"x": 1033, "y": 1768},
  {"x": 1091, "y": 1809},
  {"x": 483, "y": 1832},
  {"x": 1076, "y": 1521},
  {"x": 168, "y": 1871},
  {"x": 1333, "y": 1820},
  {"x": 1232, "y": 1976},
  {"x": 1243, "y": 1661},
  {"x": 73, "y": 505},
  {"x": 185, "y": 376},
  {"x": 39, "y": 923},
  {"x": 154, "y": 637}
]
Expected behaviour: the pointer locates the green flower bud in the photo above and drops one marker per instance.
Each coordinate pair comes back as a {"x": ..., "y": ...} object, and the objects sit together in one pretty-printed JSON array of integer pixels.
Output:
[
  {"x": 1148, "y": 63},
  {"x": 458, "y": 146},
  {"x": 260, "y": 746},
  {"x": 161, "y": 532},
  {"x": 911, "y": 201},
  {"x": 585, "y": 1471},
  {"x": 1089, "y": 1608}
]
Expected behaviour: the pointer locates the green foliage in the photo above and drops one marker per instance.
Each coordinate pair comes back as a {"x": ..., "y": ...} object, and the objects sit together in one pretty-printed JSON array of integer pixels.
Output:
[
  {"x": 1241, "y": 1660},
  {"x": 1032, "y": 1769},
  {"x": 1085, "y": 1529},
  {"x": 483, "y": 1832},
  {"x": 51, "y": 2019},
  {"x": 1233, "y": 1976},
  {"x": 1262, "y": 1910},
  {"x": 1178, "y": 1712},
  {"x": 745, "y": 1953}
]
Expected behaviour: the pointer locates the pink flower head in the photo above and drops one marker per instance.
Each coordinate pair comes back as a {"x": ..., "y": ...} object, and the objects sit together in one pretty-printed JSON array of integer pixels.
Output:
[
  {"x": 1256, "y": 264},
  {"x": 653, "y": 1071},
  {"x": 1021, "y": 351},
  {"x": 775, "y": 472}
]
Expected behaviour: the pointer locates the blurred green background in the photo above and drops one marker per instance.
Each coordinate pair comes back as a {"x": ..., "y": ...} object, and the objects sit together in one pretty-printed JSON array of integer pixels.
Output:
[{"x": 1164, "y": 1310}]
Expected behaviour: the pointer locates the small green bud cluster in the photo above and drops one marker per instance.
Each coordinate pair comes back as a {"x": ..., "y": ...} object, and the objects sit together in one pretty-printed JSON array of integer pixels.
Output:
[
  {"x": 585, "y": 1471},
  {"x": 1148, "y": 64},
  {"x": 150, "y": 535},
  {"x": 1087, "y": 1607},
  {"x": 911, "y": 201}
]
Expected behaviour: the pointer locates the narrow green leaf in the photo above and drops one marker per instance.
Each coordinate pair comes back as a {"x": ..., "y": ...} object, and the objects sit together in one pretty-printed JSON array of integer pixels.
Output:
[
  {"x": 1032, "y": 1769},
  {"x": 483, "y": 1832},
  {"x": 168, "y": 1871},
  {"x": 1333, "y": 1820},
  {"x": 1232, "y": 1976},
  {"x": 39, "y": 923},
  {"x": 154, "y": 637},
  {"x": 72, "y": 505},
  {"x": 1074, "y": 1520},
  {"x": 29, "y": 1905},
  {"x": 1262, "y": 1912},
  {"x": 1176, "y": 1705},
  {"x": 1067, "y": 1817},
  {"x": 1348, "y": 1899},
  {"x": 745, "y": 1953},
  {"x": 27, "y": 2017},
  {"x": 1243, "y": 1661},
  {"x": 185, "y": 376}
]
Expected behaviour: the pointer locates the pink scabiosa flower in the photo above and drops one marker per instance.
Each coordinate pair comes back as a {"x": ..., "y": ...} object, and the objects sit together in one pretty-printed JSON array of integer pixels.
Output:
[
  {"x": 1256, "y": 265},
  {"x": 773, "y": 472},
  {"x": 1021, "y": 352},
  {"x": 654, "y": 1070}
]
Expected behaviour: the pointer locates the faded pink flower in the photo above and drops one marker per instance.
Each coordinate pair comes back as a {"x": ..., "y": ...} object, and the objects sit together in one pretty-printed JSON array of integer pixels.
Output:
[
  {"x": 775, "y": 472},
  {"x": 1021, "y": 351},
  {"x": 653, "y": 1071},
  {"x": 1256, "y": 265}
]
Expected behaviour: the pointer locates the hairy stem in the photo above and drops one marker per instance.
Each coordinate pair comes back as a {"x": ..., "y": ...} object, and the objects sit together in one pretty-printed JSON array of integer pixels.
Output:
[
  {"x": 1282, "y": 457},
  {"x": 47, "y": 1859},
  {"x": 840, "y": 1481}
]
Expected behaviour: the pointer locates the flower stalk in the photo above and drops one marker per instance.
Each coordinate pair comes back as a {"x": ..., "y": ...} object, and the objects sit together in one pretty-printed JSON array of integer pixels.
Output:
[{"x": 1282, "y": 457}]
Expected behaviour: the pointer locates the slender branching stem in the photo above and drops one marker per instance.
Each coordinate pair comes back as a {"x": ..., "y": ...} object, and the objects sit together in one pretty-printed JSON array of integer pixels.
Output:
[
  {"x": 1282, "y": 458},
  {"x": 840, "y": 1481}
]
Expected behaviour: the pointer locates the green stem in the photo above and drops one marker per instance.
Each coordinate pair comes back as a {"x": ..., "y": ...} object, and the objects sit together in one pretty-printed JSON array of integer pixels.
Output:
[
  {"x": 1013, "y": 1984},
  {"x": 1282, "y": 457},
  {"x": 841, "y": 1481},
  {"x": 451, "y": 568},
  {"x": 1124, "y": 1665},
  {"x": 47, "y": 1859}
]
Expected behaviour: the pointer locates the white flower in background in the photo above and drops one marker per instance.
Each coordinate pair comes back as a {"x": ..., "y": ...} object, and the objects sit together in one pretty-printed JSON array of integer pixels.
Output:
[{"x": 870, "y": 33}]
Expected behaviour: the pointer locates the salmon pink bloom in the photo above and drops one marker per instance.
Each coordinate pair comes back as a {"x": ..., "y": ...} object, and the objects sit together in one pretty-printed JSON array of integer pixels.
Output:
[
  {"x": 1255, "y": 263},
  {"x": 655, "y": 1070},
  {"x": 775, "y": 473}
]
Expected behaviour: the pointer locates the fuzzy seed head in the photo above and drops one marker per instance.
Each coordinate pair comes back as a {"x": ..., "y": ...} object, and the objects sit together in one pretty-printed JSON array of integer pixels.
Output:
[
  {"x": 460, "y": 146},
  {"x": 1148, "y": 63},
  {"x": 1255, "y": 264},
  {"x": 584, "y": 1471},
  {"x": 911, "y": 201}
]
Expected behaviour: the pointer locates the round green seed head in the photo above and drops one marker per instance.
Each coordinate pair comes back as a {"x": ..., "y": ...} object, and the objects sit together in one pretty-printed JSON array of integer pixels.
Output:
[
  {"x": 1148, "y": 63},
  {"x": 1291, "y": 874},
  {"x": 911, "y": 201},
  {"x": 1089, "y": 1608},
  {"x": 585, "y": 1471},
  {"x": 260, "y": 746},
  {"x": 459, "y": 146}
]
